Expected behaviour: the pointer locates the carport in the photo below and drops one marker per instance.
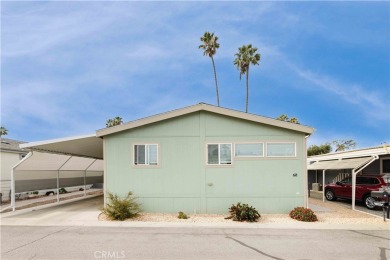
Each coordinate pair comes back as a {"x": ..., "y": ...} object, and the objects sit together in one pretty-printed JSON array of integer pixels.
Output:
[
  {"x": 74, "y": 154},
  {"x": 354, "y": 164}
]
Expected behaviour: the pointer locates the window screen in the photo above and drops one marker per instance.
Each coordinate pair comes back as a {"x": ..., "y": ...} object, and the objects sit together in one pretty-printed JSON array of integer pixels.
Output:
[
  {"x": 146, "y": 154},
  {"x": 249, "y": 150},
  {"x": 281, "y": 150},
  {"x": 219, "y": 154}
]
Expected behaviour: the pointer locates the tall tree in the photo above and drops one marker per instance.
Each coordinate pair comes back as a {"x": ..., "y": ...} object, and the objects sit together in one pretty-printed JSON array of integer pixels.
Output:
[
  {"x": 3, "y": 131},
  {"x": 285, "y": 118},
  {"x": 342, "y": 145},
  {"x": 321, "y": 149},
  {"x": 210, "y": 46},
  {"x": 244, "y": 58},
  {"x": 114, "y": 121}
]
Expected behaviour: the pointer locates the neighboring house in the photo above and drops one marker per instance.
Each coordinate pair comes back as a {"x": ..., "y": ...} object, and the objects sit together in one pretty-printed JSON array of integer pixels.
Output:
[
  {"x": 10, "y": 155},
  {"x": 373, "y": 160},
  {"x": 202, "y": 159}
]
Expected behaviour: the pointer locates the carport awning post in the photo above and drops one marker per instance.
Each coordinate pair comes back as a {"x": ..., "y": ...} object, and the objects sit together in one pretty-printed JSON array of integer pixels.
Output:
[
  {"x": 353, "y": 188},
  {"x": 354, "y": 173},
  {"x": 58, "y": 179},
  {"x": 13, "y": 179},
  {"x": 85, "y": 177},
  {"x": 323, "y": 185}
]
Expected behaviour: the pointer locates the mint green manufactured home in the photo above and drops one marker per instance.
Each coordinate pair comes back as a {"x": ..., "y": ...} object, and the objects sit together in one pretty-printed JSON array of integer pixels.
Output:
[{"x": 202, "y": 159}]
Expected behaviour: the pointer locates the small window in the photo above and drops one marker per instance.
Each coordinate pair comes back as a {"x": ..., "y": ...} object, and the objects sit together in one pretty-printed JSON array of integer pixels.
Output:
[
  {"x": 367, "y": 180},
  {"x": 347, "y": 180},
  {"x": 385, "y": 166},
  {"x": 281, "y": 150},
  {"x": 219, "y": 154},
  {"x": 249, "y": 150},
  {"x": 145, "y": 154},
  {"x": 375, "y": 181},
  {"x": 362, "y": 180}
]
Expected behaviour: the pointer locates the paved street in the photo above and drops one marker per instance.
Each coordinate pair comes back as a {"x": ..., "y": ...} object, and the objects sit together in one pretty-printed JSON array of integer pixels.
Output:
[{"x": 190, "y": 243}]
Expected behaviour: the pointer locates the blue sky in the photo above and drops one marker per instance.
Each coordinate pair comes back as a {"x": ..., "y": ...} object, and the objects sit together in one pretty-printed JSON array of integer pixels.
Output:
[{"x": 66, "y": 67}]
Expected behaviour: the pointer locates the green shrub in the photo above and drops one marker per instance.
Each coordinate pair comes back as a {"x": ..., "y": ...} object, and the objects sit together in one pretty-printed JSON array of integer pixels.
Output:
[
  {"x": 121, "y": 209},
  {"x": 182, "y": 215},
  {"x": 243, "y": 212},
  {"x": 302, "y": 214},
  {"x": 62, "y": 191}
]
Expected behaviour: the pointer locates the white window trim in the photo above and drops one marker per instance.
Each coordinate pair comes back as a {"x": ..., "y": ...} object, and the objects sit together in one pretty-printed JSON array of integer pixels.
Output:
[
  {"x": 279, "y": 156},
  {"x": 219, "y": 154},
  {"x": 249, "y": 156},
  {"x": 146, "y": 165},
  {"x": 381, "y": 164}
]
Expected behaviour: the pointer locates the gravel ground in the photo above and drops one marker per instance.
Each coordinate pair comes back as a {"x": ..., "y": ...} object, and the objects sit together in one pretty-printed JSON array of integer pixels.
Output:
[{"x": 334, "y": 214}]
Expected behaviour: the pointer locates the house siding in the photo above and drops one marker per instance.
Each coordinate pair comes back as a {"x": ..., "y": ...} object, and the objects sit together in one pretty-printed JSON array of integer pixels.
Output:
[
  {"x": 183, "y": 182},
  {"x": 8, "y": 161}
]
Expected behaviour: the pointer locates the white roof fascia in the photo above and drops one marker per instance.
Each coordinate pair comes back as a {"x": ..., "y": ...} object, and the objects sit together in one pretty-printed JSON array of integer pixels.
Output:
[
  {"x": 51, "y": 141},
  {"x": 349, "y": 163},
  {"x": 205, "y": 107},
  {"x": 81, "y": 146}
]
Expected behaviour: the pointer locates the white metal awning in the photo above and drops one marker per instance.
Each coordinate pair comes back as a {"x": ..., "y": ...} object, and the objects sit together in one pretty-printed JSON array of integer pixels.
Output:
[
  {"x": 50, "y": 162},
  {"x": 356, "y": 164},
  {"x": 39, "y": 161},
  {"x": 82, "y": 146},
  {"x": 352, "y": 163}
]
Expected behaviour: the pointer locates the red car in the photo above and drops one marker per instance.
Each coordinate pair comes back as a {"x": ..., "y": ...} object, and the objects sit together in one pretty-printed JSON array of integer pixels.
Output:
[{"x": 364, "y": 185}]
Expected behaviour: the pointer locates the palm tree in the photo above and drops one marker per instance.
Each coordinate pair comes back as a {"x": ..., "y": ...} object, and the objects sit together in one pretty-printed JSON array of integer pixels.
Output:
[
  {"x": 114, "y": 121},
  {"x": 3, "y": 131},
  {"x": 210, "y": 47},
  {"x": 244, "y": 58}
]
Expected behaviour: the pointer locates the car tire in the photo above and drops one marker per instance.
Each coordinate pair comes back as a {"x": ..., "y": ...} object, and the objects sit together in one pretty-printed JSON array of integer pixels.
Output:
[
  {"x": 329, "y": 195},
  {"x": 369, "y": 202},
  {"x": 49, "y": 193}
]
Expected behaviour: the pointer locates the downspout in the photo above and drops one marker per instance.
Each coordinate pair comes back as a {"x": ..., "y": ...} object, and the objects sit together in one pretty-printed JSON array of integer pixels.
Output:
[
  {"x": 58, "y": 179},
  {"x": 85, "y": 173},
  {"x": 306, "y": 177},
  {"x": 354, "y": 173},
  {"x": 104, "y": 173},
  {"x": 13, "y": 179}
]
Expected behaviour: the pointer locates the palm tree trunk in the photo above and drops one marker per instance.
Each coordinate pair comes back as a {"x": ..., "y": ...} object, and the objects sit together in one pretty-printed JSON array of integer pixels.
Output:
[
  {"x": 215, "y": 77},
  {"x": 247, "y": 88}
]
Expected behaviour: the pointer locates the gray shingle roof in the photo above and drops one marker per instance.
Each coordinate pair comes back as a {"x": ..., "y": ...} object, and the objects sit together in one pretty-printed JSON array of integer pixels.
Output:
[{"x": 11, "y": 145}]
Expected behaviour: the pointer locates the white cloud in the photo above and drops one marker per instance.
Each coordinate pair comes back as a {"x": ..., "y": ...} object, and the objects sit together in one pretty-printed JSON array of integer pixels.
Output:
[{"x": 371, "y": 103}]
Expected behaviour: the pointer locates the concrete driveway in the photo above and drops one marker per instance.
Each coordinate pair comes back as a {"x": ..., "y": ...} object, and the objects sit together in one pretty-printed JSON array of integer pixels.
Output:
[
  {"x": 359, "y": 206},
  {"x": 67, "y": 213}
]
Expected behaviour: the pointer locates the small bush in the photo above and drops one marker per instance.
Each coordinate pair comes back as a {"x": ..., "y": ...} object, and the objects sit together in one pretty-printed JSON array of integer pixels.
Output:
[
  {"x": 302, "y": 214},
  {"x": 121, "y": 209},
  {"x": 182, "y": 215},
  {"x": 63, "y": 190},
  {"x": 243, "y": 212}
]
